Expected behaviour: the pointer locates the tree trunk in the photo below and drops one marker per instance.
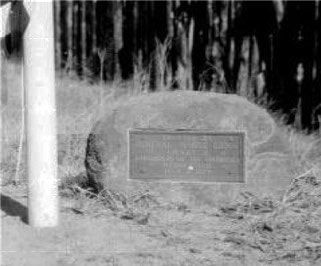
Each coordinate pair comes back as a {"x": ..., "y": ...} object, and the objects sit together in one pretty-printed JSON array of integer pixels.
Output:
[
  {"x": 118, "y": 36},
  {"x": 154, "y": 73},
  {"x": 69, "y": 36},
  {"x": 227, "y": 59},
  {"x": 58, "y": 48},
  {"x": 94, "y": 28},
  {"x": 78, "y": 37},
  {"x": 316, "y": 113},
  {"x": 170, "y": 18},
  {"x": 210, "y": 17},
  {"x": 126, "y": 55},
  {"x": 175, "y": 41},
  {"x": 75, "y": 34},
  {"x": 135, "y": 27},
  {"x": 83, "y": 45},
  {"x": 170, "y": 35},
  {"x": 200, "y": 43},
  {"x": 307, "y": 59}
]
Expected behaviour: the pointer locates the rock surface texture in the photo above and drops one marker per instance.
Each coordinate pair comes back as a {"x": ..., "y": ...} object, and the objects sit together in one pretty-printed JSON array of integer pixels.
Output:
[{"x": 268, "y": 156}]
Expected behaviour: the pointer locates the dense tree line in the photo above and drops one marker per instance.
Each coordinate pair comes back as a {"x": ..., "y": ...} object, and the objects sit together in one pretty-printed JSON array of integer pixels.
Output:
[{"x": 269, "y": 51}]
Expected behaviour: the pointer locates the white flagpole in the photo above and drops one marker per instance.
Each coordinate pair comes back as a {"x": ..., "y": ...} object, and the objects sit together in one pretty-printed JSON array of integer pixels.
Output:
[{"x": 39, "y": 79}]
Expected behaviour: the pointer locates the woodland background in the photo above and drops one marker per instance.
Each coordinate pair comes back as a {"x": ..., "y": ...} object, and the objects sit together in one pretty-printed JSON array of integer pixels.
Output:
[{"x": 268, "y": 51}]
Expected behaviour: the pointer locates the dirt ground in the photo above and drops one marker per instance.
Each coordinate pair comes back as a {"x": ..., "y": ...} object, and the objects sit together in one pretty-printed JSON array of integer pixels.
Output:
[
  {"x": 154, "y": 232},
  {"x": 172, "y": 236}
]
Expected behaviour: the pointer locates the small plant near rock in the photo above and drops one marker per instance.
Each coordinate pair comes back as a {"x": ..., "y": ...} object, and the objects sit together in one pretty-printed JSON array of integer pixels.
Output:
[{"x": 135, "y": 207}]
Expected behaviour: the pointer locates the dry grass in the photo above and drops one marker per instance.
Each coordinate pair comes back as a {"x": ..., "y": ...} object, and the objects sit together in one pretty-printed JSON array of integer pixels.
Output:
[
  {"x": 136, "y": 207},
  {"x": 281, "y": 230},
  {"x": 78, "y": 108}
]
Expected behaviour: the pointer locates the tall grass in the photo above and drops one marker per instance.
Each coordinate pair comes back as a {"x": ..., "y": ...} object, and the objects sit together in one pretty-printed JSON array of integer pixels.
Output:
[{"x": 79, "y": 102}]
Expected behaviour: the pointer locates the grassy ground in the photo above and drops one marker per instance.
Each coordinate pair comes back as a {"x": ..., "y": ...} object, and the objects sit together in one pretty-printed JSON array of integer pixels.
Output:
[
  {"x": 78, "y": 106},
  {"x": 144, "y": 229}
]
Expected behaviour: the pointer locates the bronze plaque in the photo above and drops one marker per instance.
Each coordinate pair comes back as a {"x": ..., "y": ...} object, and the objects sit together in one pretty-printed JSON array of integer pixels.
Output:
[{"x": 186, "y": 156}]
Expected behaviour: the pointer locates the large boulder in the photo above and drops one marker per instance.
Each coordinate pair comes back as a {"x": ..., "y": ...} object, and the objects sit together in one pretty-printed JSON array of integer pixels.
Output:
[{"x": 268, "y": 154}]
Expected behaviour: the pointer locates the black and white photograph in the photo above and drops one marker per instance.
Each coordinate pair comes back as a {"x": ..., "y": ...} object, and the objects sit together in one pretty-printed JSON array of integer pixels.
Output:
[{"x": 160, "y": 132}]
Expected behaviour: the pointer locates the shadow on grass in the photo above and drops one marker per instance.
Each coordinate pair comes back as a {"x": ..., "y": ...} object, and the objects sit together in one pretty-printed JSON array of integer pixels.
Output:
[{"x": 14, "y": 208}]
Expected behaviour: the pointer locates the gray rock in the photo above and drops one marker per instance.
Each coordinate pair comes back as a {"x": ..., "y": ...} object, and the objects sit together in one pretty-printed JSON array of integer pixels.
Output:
[{"x": 268, "y": 153}]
